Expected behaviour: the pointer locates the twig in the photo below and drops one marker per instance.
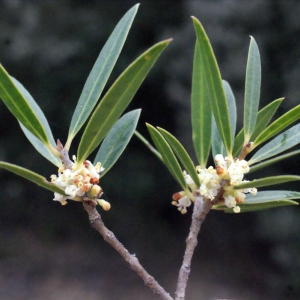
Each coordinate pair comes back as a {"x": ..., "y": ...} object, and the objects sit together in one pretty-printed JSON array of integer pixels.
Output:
[
  {"x": 201, "y": 208},
  {"x": 64, "y": 155},
  {"x": 132, "y": 261},
  {"x": 96, "y": 222},
  {"x": 245, "y": 151}
]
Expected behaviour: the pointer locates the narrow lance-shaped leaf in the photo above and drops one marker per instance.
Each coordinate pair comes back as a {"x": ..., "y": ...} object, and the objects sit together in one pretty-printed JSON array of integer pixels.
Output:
[
  {"x": 19, "y": 107},
  {"x": 116, "y": 140},
  {"x": 265, "y": 196},
  {"x": 272, "y": 161},
  {"x": 264, "y": 200},
  {"x": 217, "y": 144},
  {"x": 282, "y": 142},
  {"x": 252, "y": 89},
  {"x": 47, "y": 150},
  {"x": 267, "y": 181},
  {"x": 250, "y": 207},
  {"x": 278, "y": 125},
  {"x": 116, "y": 100},
  {"x": 214, "y": 86},
  {"x": 32, "y": 176},
  {"x": 100, "y": 73},
  {"x": 231, "y": 107},
  {"x": 182, "y": 155},
  {"x": 263, "y": 118},
  {"x": 40, "y": 147},
  {"x": 168, "y": 156},
  {"x": 37, "y": 110},
  {"x": 200, "y": 109}
]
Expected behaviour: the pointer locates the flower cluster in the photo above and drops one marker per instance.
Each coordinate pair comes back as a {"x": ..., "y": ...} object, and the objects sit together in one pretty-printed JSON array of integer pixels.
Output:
[
  {"x": 233, "y": 170},
  {"x": 78, "y": 182},
  {"x": 228, "y": 173}
]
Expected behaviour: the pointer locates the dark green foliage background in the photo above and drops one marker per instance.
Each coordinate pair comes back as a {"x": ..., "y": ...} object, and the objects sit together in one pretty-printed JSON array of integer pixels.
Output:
[{"x": 50, "y": 252}]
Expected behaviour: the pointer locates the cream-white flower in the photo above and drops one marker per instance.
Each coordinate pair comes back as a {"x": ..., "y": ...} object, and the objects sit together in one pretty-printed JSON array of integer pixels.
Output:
[
  {"x": 182, "y": 201},
  {"x": 219, "y": 159},
  {"x": 228, "y": 173},
  {"x": 230, "y": 201},
  {"x": 60, "y": 198},
  {"x": 236, "y": 171},
  {"x": 210, "y": 182},
  {"x": 76, "y": 181},
  {"x": 71, "y": 190},
  {"x": 182, "y": 204},
  {"x": 188, "y": 178}
]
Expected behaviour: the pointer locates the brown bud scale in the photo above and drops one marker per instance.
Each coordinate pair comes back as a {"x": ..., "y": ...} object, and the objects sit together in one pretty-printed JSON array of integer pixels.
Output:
[
  {"x": 176, "y": 196},
  {"x": 94, "y": 180}
]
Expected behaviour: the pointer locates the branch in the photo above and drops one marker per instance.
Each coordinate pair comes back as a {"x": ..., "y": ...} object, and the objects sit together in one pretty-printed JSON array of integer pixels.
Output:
[
  {"x": 201, "y": 209},
  {"x": 96, "y": 222},
  {"x": 132, "y": 261}
]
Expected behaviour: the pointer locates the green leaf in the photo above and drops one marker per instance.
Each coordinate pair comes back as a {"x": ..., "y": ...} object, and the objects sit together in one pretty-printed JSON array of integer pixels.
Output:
[
  {"x": 100, "y": 73},
  {"x": 41, "y": 147},
  {"x": 252, "y": 89},
  {"x": 182, "y": 155},
  {"x": 263, "y": 118},
  {"x": 278, "y": 125},
  {"x": 168, "y": 156},
  {"x": 264, "y": 200},
  {"x": 282, "y": 142},
  {"x": 275, "y": 195},
  {"x": 231, "y": 107},
  {"x": 250, "y": 207},
  {"x": 116, "y": 100},
  {"x": 116, "y": 140},
  {"x": 32, "y": 176},
  {"x": 266, "y": 181},
  {"x": 274, "y": 160},
  {"x": 213, "y": 85},
  {"x": 19, "y": 106},
  {"x": 217, "y": 144},
  {"x": 200, "y": 110},
  {"x": 37, "y": 110}
]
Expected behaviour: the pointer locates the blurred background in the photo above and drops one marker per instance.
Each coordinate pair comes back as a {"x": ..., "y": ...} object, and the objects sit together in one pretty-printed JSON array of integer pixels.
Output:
[{"x": 49, "y": 251}]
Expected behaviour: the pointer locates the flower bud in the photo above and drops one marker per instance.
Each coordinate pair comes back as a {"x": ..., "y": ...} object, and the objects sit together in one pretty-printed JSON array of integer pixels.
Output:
[
  {"x": 95, "y": 190},
  {"x": 176, "y": 196},
  {"x": 94, "y": 180},
  {"x": 105, "y": 205},
  {"x": 220, "y": 170},
  {"x": 237, "y": 209}
]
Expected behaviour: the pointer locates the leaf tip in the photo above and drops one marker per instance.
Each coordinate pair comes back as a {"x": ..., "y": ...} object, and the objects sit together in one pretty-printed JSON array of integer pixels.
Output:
[
  {"x": 167, "y": 41},
  {"x": 135, "y": 7},
  {"x": 252, "y": 41},
  {"x": 196, "y": 21}
]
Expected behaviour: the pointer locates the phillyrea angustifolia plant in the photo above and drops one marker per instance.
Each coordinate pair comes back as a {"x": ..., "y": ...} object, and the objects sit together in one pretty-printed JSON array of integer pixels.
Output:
[{"x": 213, "y": 117}]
